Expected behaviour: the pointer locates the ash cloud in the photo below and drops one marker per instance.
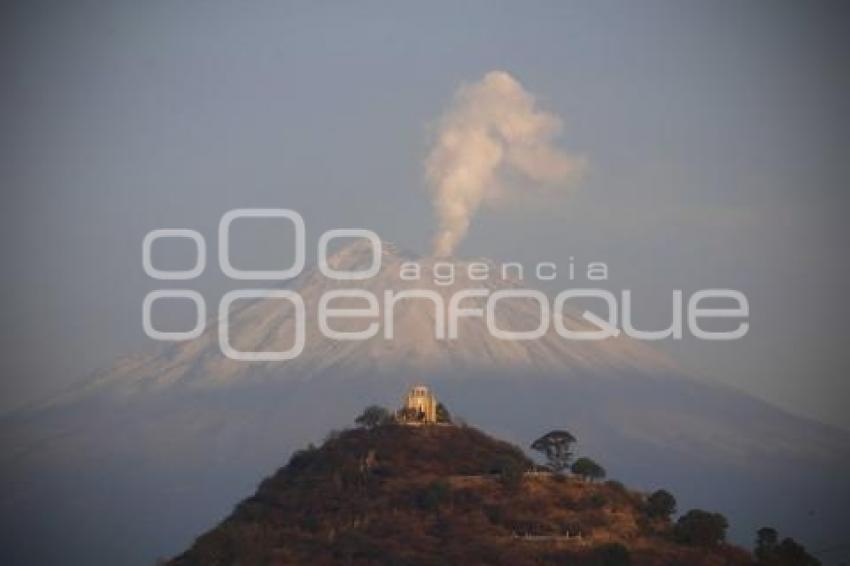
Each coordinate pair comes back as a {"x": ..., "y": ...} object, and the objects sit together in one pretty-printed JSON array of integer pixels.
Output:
[{"x": 492, "y": 145}]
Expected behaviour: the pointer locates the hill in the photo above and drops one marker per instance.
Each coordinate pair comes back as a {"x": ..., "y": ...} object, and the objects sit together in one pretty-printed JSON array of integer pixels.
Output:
[{"x": 440, "y": 495}]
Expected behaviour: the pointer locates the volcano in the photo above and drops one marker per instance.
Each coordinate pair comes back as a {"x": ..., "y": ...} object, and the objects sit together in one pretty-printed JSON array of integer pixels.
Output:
[{"x": 143, "y": 456}]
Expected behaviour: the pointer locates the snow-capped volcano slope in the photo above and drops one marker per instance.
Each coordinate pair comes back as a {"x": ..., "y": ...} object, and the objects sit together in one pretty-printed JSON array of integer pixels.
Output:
[
  {"x": 268, "y": 324},
  {"x": 150, "y": 452}
]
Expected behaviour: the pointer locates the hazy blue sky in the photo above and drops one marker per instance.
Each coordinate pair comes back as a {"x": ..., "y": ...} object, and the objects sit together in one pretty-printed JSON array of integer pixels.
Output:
[{"x": 716, "y": 132}]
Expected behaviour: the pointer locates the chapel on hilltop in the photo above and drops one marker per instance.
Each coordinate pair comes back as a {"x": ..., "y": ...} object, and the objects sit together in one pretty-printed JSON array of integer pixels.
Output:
[{"x": 420, "y": 407}]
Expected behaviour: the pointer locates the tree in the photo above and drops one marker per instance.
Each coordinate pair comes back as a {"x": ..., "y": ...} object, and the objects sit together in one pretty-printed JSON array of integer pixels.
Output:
[
  {"x": 791, "y": 553},
  {"x": 557, "y": 447},
  {"x": 373, "y": 416},
  {"x": 443, "y": 415},
  {"x": 660, "y": 503},
  {"x": 766, "y": 541},
  {"x": 511, "y": 473},
  {"x": 770, "y": 552},
  {"x": 588, "y": 469},
  {"x": 434, "y": 495},
  {"x": 701, "y": 528}
]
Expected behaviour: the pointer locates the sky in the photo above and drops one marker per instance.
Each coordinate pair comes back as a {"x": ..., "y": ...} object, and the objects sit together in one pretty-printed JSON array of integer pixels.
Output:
[{"x": 715, "y": 137}]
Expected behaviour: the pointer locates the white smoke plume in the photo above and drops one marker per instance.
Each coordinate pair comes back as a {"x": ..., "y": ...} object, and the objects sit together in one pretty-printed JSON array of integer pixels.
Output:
[{"x": 491, "y": 144}]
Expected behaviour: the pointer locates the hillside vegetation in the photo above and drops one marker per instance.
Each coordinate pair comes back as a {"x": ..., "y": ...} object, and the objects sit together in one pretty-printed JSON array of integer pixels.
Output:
[{"x": 442, "y": 494}]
